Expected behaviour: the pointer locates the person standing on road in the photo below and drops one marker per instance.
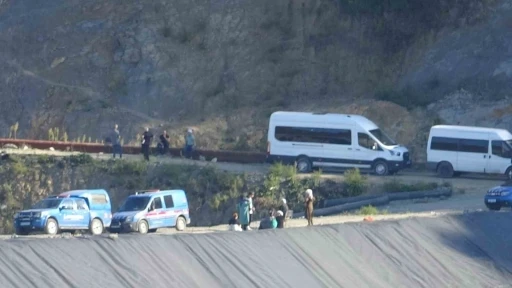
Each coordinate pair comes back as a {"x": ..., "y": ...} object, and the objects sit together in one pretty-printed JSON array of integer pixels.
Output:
[
  {"x": 146, "y": 143},
  {"x": 250, "y": 196},
  {"x": 164, "y": 139},
  {"x": 116, "y": 142},
  {"x": 308, "y": 203},
  {"x": 190, "y": 143},
  {"x": 280, "y": 219},
  {"x": 243, "y": 212}
]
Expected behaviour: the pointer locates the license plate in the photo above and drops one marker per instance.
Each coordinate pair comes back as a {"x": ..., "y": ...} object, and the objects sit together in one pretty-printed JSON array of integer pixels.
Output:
[
  {"x": 491, "y": 200},
  {"x": 25, "y": 223}
]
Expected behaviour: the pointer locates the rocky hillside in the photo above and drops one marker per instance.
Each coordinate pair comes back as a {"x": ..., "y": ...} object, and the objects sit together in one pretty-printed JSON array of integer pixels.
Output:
[{"x": 224, "y": 66}]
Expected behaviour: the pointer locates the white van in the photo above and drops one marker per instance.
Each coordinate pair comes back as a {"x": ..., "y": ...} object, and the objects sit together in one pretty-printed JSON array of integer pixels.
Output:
[
  {"x": 452, "y": 150},
  {"x": 332, "y": 141}
]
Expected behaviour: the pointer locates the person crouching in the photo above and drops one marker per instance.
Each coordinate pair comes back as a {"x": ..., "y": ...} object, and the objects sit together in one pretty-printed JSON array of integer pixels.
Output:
[{"x": 269, "y": 222}]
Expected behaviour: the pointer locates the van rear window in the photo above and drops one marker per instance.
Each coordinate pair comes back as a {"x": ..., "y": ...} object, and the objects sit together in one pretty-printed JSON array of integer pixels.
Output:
[{"x": 99, "y": 199}]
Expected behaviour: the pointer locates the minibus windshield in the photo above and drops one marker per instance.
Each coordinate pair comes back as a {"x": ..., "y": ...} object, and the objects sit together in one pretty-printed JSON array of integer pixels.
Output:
[{"x": 382, "y": 137}]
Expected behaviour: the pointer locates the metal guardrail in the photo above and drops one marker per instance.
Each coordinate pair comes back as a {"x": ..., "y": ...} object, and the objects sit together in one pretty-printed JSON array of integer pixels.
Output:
[{"x": 221, "y": 155}]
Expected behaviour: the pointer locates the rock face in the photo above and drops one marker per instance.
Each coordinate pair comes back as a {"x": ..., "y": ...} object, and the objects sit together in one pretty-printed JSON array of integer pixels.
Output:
[{"x": 222, "y": 67}]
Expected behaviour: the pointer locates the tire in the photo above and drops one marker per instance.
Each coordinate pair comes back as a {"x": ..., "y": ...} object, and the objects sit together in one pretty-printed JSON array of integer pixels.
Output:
[
  {"x": 143, "y": 227},
  {"x": 445, "y": 170},
  {"x": 22, "y": 232},
  {"x": 181, "y": 223},
  {"x": 96, "y": 227},
  {"x": 509, "y": 173},
  {"x": 51, "y": 227},
  {"x": 380, "y": 168},
  {"x": 303, "y": 165}
]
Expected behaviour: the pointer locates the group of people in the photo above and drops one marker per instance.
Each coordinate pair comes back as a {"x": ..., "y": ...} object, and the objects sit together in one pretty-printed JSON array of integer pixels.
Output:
[
  {"x": 147, "y": 136},
  {"x": 242, "y": 218}
]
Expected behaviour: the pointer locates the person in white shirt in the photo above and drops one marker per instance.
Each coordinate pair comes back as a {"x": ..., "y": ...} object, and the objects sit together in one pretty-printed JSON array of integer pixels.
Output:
[{"x": 251, "y": 208}]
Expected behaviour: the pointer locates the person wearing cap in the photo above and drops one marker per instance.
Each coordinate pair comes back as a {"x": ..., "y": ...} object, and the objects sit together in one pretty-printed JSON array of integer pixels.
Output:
[
  {"x": 308, "y": 203},
  {"x": 269, "y": 222},
  {"x": 280, "y": 219},
  {"x": 190, "y": 143}
]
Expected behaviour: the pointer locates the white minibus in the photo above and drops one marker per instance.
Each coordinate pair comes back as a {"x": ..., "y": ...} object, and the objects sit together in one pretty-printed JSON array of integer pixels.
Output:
[
  {"x": 327, "y": 140},
  {"x": 452, "y": 150}
]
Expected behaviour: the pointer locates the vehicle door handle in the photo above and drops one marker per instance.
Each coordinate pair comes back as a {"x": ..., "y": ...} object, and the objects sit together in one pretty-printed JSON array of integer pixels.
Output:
[
  {"x": 358, "y": 149},
  {"x": 349, "y": 148}
]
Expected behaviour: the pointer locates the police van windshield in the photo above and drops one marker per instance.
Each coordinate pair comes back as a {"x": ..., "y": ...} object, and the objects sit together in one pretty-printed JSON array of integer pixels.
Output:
[
  {"x": 134, "y": 204},
  {"x": 47, "y": 204},
  {"x": 382, "y": 137}
]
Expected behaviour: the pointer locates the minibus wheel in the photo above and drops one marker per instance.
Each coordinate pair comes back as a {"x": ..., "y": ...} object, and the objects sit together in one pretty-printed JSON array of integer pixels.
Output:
[
  {"x": 509, "y": 173},
  {"x": 445, "y": 170},
  {"x": 303, "y": 165},
  {"x": 380, "y": 168}
]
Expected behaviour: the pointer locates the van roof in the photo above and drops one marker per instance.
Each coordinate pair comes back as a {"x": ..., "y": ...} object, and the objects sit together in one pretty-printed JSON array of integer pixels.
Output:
[
  {"x": 503, "y": 133},
  {"x": 149, "y": 193},
  {"x": 325, "y": 117},
  {"x": 80, "y": 193}
]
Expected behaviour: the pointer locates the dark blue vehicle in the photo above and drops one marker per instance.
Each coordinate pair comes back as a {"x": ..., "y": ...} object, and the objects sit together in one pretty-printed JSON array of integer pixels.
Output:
[
  {"x": 146, "y": 211},
  {"x": 499, "y": 196},
  {"x": 68, "y": 211}
]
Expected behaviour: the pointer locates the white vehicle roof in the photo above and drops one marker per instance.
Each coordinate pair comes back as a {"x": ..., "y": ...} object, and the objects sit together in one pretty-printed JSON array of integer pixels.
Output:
[
  {"x": 331, "y": 118},
  {"x": 502, "y": 133}
]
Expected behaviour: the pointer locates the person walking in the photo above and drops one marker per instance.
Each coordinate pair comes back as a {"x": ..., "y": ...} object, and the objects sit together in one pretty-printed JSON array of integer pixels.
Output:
[
  {"x": 243, "y": 212},
  {"x": 308, "y": 203},
  {"x": 146, "y": 143},
  {"x": 116, "y": 143},
  {"x": 190, "y": 143}
]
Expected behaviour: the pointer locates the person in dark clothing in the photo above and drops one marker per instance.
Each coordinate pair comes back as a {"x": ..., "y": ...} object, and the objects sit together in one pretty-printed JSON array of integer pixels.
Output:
[
  {"x": 234, "y": 224},
  {"x": 116, "y": 142},
  {"x": 280, "y": 219},
  {"x": 146, "y": 143},
  {"x": 164, "y": 139},
  {"x": 270, "y": 222}
]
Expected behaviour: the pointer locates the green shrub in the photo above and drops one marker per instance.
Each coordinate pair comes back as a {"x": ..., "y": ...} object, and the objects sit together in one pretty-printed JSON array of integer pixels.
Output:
[
  {"x": 355, "y": 184},
  {"x": 368, "y": 210}
]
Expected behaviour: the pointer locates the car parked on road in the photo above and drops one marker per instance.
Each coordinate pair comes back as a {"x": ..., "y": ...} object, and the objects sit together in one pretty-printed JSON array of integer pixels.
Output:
[
  {"x": 499, "y": 196},
  {"x": 73, "y": 210},
  {"x": 146, "y": 211}
]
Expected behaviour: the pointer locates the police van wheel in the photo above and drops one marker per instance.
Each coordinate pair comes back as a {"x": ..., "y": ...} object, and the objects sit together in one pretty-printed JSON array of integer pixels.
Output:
[
  {"x": 509, "y": 173},
  {"x": 181, "y": 224},
  {"x": 143, "y": 227},
  {"x": 51, "y": 228},
  {"x": 380, "y": 168},
  {"x": 96, "y": 227},
  {"x": 303, "y": 165}
]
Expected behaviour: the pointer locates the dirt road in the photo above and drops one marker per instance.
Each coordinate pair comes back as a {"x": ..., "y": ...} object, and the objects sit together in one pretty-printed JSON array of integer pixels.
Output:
[{"x": 469, "y": 190}]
